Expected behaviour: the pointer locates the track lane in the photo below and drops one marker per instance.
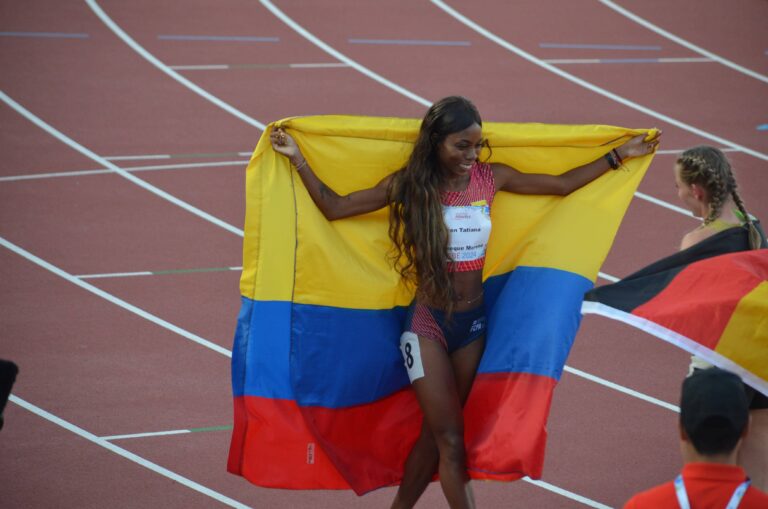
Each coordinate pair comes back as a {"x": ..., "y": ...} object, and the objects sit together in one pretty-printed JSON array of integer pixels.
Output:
[
  {"x": 28, "y": 150},
  {"x": 63, "y": 460},
  {"x": 104, "y": 94},
  {"x": 734, "y": 33},
  {"x": 99, "y": 224}
]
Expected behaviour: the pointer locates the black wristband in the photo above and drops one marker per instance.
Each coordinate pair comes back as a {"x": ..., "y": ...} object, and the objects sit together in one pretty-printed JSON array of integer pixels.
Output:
[{"x": 612, "y": 162}]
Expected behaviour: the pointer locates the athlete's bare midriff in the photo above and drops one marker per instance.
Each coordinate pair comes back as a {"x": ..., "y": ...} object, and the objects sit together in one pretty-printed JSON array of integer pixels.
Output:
[{"x": 468, "y": 288}]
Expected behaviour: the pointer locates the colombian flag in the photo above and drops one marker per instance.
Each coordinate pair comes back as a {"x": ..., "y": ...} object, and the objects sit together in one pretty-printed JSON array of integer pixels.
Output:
[
  {"x": 710, "y": 299},
  {"x": 321, "y": 395}
]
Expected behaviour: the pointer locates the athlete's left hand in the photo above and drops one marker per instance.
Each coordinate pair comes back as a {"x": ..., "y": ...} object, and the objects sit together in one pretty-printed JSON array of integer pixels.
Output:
[{"x": 638, "y": 146}]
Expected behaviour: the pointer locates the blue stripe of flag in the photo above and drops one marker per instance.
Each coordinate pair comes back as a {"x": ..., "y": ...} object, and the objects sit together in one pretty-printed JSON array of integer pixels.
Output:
[{"x": 338, "y": 357}]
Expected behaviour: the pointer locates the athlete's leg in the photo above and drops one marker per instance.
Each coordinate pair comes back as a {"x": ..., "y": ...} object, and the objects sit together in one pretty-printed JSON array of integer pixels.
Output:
[
  {"x": 420, "y": 468},
  {"x": 465, "y": 362},
  {"x": 422, "y": 462}
]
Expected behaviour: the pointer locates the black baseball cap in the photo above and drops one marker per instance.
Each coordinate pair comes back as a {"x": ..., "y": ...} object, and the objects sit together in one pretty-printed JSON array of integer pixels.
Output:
[{"x": 713, "y": 409}]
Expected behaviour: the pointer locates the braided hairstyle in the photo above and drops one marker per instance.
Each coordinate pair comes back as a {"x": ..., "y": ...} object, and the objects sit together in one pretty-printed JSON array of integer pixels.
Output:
[{"x": 708, "y": 167}]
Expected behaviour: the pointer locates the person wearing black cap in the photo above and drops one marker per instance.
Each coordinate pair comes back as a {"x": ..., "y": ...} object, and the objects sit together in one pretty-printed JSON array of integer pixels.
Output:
[{"x": 714, "y": 419}]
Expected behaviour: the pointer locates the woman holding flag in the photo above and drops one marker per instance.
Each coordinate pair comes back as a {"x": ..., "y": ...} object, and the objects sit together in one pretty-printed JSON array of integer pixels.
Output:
[{"x": 440, "y": 225}]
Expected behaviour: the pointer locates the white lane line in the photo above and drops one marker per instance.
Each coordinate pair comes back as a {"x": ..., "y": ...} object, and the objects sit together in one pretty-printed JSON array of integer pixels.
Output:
[
  {"x": 340, "y": 56},
  {"x": 149, "y": 434},
  {"x": 149, "y": 157},
  {"x": 139, "y": 157},
  {"x": 230, "y": 67},
  {"x": 681, "y": 150},
  {"x": 668, "y": 60},
  {"x": 169, "y": 432},
  {"x": 664, "y": 204},
  {"x": 154, "y": 273},
  {"x": 589, "y": 86},
  {"x": 608, "y": 277},
  {"x": 621, "y": 388},
  {"x": 114, "y": 300},
  {"x": 127, "y": 454},
  {"x": 112, "y": 274},
  {"x": 167, "y": 70},
  {"x": 565, "y": 493},
  {"x": 679, "y": 40},
  {"x": 80, "y": 173},
  {"x": 103, "y": 162}
]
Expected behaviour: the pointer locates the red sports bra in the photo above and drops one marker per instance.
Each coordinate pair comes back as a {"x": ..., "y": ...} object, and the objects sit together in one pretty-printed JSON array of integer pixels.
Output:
[{"x": 467, "y": 214}]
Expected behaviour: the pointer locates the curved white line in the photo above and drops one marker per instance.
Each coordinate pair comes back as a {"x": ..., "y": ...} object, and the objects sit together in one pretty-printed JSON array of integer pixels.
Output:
[
  {"x": 167, "y": 70},
  {"x": 565, "y": 493},
  {"x": 589, "y": 86},
  {"x": 340, "y": 56},
  {"x": 107, "y": 164},
  {"x": 114, "y": 300},
  {"x": 662, "y": 203},
  {"x": 80, "y": 173},
  {"x": 621, "y": 388},
  {"x": 127, "y": 454},
  {"x": 682, "y": 42}
]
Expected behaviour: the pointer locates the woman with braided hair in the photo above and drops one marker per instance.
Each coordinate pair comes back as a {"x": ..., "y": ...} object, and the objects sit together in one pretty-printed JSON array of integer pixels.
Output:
[
  {"x": 706, "y": 185},
  {"x": 440, "y": 225}
]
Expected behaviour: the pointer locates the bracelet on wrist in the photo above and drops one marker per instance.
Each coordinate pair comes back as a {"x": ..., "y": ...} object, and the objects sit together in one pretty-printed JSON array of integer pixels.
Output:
[
  {"x": 612, "y": 161},
  {"x": 617, "y": 156},
  {"x": 300, "y": 165}
]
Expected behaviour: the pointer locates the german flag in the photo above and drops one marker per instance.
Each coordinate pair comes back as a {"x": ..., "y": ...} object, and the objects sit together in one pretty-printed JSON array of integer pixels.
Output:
[{"x": 710, "y": 300}]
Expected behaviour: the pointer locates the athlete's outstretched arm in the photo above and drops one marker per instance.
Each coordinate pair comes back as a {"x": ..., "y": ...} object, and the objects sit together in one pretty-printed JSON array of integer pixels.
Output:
[
  {"x": 514, "y": 181},
  {"x": 331, "y": 204}
]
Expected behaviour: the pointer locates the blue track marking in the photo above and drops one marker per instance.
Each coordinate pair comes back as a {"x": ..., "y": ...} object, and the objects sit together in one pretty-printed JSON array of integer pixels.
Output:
[
  {"x": 629, "y": 47},
  {"x": 226, "y": 38},
  {"x": 409, "y": 42},
  {"x": 47, "y": 35},
  {"x": 762, "y": 127}
]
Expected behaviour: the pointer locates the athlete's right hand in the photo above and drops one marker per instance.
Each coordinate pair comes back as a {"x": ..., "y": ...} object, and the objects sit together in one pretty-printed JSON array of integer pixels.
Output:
[{"x": 283, "y": 143}]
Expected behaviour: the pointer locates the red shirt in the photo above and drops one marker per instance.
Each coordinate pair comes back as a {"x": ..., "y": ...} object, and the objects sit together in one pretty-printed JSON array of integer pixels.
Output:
[{"x": 709, "y": 485}]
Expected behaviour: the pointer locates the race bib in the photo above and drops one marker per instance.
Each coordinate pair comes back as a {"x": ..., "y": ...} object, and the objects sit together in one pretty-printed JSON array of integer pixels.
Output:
[
  {"x": 469, "y": 228},
  {"x": 409, "y": 347}
]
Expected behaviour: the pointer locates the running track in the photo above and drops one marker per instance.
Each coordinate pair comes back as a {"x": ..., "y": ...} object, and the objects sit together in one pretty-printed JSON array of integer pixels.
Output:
[{"x": 128, "y": 353}]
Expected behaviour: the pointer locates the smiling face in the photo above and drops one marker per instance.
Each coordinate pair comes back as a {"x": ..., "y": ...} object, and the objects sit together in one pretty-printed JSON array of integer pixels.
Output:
[{"x": 458, "y": 151}]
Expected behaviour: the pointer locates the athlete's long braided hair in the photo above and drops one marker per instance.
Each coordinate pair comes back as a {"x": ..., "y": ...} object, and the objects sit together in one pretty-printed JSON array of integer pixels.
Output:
[
  {"x": 709, "y": 168},
  {"x": 416, "y": 224}
]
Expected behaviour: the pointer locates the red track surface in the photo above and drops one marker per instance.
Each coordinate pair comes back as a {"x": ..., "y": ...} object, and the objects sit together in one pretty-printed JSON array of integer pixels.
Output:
[{"x": 111, "y": 372}]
